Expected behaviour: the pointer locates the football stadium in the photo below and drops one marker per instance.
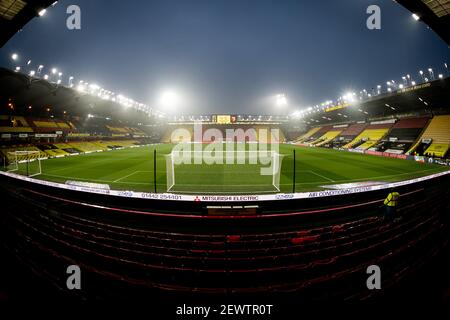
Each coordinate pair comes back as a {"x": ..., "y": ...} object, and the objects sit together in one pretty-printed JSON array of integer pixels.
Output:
[{"x": 106, "y": 198}]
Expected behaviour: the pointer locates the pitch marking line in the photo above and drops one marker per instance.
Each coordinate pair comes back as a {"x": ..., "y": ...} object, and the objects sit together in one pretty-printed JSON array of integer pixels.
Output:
[
  {"x": 319, "y": 175},
  {"x": 129, "y": 175}
]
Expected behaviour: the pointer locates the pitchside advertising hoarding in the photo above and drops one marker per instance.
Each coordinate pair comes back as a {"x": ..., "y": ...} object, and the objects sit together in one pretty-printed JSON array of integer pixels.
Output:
[{"x": 225, "y": 198}]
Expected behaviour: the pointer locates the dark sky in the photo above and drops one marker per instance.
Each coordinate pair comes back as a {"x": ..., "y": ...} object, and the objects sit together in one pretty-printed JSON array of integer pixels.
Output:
[{"x": 229, "y": 56}]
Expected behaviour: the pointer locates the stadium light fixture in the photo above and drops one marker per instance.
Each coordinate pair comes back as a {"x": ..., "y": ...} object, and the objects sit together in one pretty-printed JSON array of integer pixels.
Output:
[
  {"x": 32, "y": 73},
  {"x": 60, "y": 74},
  {"x": 169, "y": 99},
  {"x": 413, "y": 83},
  {"x": 14, "y": 56},
  {"x": 29, "y": 62},
  {"x": 54, "y": 71},
  {"x": 17, "y": 69},
  {"x": 40, "y": 68},
  {"x": 441, "y": 76},
  {"x": 42, "y": 12},
  {"x": 46, "y": 77},
  {"x": 281, "y": 100},
  {"x": 416, "y": 16}
]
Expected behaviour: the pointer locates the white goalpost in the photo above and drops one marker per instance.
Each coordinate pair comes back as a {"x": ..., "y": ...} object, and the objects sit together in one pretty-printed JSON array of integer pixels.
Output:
[
  {"x": 25, "y": 162},
  {"x": 268, "y": 164}
]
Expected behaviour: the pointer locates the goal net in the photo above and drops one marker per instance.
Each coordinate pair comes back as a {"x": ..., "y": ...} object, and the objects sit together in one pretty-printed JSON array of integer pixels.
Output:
[
  {"x": 221, "y": 172},
  {"x": 26, "y": 163}
]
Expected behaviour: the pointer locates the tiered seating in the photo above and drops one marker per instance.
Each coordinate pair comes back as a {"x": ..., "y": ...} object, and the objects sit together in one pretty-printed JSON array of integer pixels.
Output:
[
  {"x": 402, "y": 135},
  {"x": 177, "y": 139},
  {"x": 15, "y": 124},
  {"x": 63, "y": 125},
  {"x": 115, "y": 144},
  {"x": 6, "y": 153},
  {"x": 87, "y": 146},
  {"x": 118, "y": 130},
  {"x": 439, "y": 131},
  {"x": 122, "y": 257},
  {"x": 52, "y": 150},
  {"x": 66, "y": 148},
  {"x": 307, "y": 135},
  {"x": 348, "y": 134},
  {"x": 315, "y": 137},
  {"x": 369, "y": 137},
  {"x": 437, "y": 150},
  {"x": 263, "y": 134},
  {"x": 46, "y": 125},
  {"x": 327, "y": 137}
]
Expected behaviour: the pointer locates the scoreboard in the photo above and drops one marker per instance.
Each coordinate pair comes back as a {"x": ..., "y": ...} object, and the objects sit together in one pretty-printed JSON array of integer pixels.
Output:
[{"x": 224, "y": 119}]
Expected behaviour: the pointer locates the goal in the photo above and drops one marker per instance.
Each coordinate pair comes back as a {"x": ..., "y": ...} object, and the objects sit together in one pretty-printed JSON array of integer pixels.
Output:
[
  {"x": 26, "y": 163},
  {"x": 223, "y": 172}
]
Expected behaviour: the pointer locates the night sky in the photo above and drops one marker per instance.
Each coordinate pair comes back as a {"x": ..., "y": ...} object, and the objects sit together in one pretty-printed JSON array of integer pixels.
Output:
[{"x": 230, "y": 56}]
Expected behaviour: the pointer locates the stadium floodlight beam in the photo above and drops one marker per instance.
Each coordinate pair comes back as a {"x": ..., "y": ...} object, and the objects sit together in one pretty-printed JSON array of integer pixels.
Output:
[
  {"x": 281, "y": 100},
  {"x": 169, "y": 99}
]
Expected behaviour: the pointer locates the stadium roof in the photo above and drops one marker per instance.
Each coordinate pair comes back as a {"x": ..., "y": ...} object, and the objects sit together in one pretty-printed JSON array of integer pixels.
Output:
[
  {"x": 435, "y": 13},
  {"x": 431, "y": 97},
  {"x": 27, "y": 91},
  {"x": 15, "y": 14}
]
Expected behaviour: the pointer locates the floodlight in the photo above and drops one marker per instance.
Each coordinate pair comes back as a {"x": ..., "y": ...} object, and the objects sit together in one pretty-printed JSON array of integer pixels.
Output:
[
  {"x": 281, "y": 100},
  {"x": 169, "y": 99}
]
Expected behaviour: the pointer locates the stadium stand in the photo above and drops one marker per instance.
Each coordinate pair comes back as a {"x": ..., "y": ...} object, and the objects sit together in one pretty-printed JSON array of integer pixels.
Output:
[
  {"x": 15, "y": 124},
  {"x": 316, "y": 135},
  {"x": 315, "y": 256},
  {"x": 435, "y": 140},
  {"x": 6, "y": 152},
  {"x": 348, "y": 134},
  {"x": 327, "y": 137},
  {"x": 307, "y": 135},
  {"x": 370, "y": 136},
  {"x": 402, "y": 135}
]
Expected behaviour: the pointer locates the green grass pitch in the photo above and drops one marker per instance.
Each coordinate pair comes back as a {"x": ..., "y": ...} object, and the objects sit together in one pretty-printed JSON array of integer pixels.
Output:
[{"x": 132, "y": 169}]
